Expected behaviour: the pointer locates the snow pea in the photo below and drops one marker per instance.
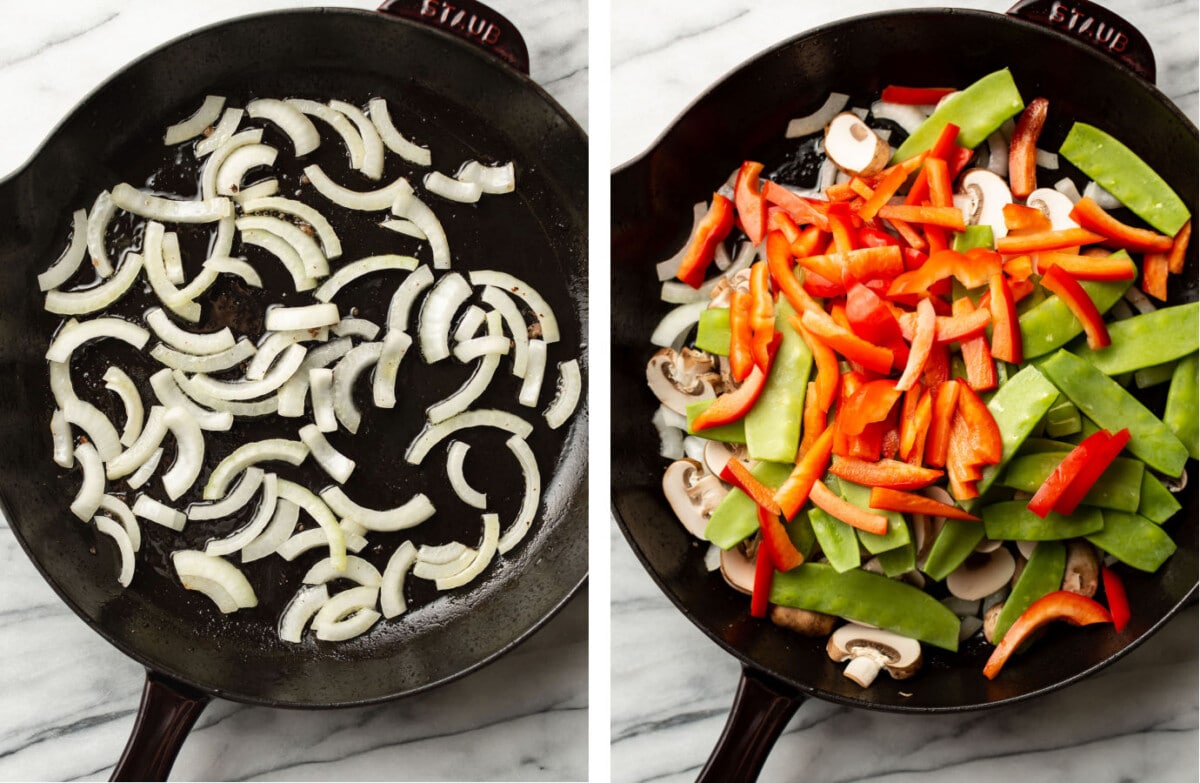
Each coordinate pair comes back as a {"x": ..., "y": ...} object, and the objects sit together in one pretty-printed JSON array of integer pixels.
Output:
[
  {"x": 1018, "y": 406},
  {"x": 978, "y": 110},
  {"x": 1154, "y": 375},
  {"x": 773, "y": 424},
  {"x": 736, "y": 517},
  {"x": 1063, "y": 419},
  {"x": 1119, "y": 487},
  {"x": 979, "y": 235},
  {"x": 954, "y": 544},
  {"x": 1041, "y": 445},
  {"x": 800, "y": 531},
  {"x": 1134, "y": 540},
  {"x": 1103, "y": 401},
  {"x": 1012, "y": 521},
  {"x": 1147, "y": 340},
  {"x": 898, "y": 561},
  {"x": 897, "y": 532},
  {"x": 1051, "y": 324},
  {"x": 837, "y": 540},
  {"x": 1042, "y": 574},
  {"x": 733, "y": 432},
  {"x": 712, "y": 333},
  {"x": 1119, "y": 170},
  {"x": 868, "y": 598},
  {"x": 1157, "y": 503},
  {"x": 1182, "y": 414}
]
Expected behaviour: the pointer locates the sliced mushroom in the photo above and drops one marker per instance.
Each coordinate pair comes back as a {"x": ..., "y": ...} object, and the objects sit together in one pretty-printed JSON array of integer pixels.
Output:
[
  {"x": 854, "y": 147},
  {"x": 961, "y": 607},
  {"x": 803, "y": 621},
  {"x": 1177, "y": 485},
  {"x": 693, "y": 494},
  {"x": 968, "y": 627},
  {"x": 988, "y": 545},
  {"x": 1026, "y": 548},
  {"x": 1054, "y": 205},
  {"x": 717, "y": 454},
  {"x": 982, "y": 201},
  {"x": 1019, "y": 566},
  {"x": 738, "y": 570},
  {"x": 870, "y": 650},
  {"x": 678, "y": 379},
  {"x": 981, "y": 574},
  {"x": 989, "y": 621},
  {"x": 1082, "y": 574}
]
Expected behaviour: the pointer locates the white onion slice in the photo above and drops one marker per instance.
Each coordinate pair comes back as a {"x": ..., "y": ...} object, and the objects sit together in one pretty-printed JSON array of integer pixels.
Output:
[
  {"x": 455, "y": 458},
  {"x": 339, "y": 122},
  {"x": 356, "y": 327},
  {"x": 470, "y": 350},
  {"x": 263, "y": 515},
  {"x": 345, "y": 375},
  {"x": 517, "y": 328},
  {"x": 89, "y": 300},
  {"x": 189, "y": 452},
  {"x": 383, "y": 385},
  {"x": 452, "y": 189},
  {"x": 302, "y": 317},
  {"x": 570, "y": 387},
  {"x": 1101, "y": 196},
  {"x": 249, "y": 484},
  {"x": 669, "y": 267},
  {"x": 434, "y": 434},
  {"x": 407, "y": 205},
  {"x": 360, "y": 201},
  {"x": 364, "y": 266},
  {"x": 283, "y": 369},
  {"x": 185, "y": 341},
  {"x": 406, "y": 227},
  {"x": 391, "y": 587},
  {"x": 276, "y": 343},
  {"x": 320, "y": 381},
  {"x": 907, "y": 117},
  {"x": 292, "y": 452},
  {"x": 468, "y": 325},
  {"x": 263, "y": 407},
  {"x": 196, "y": 124},
  {"x": 299, "y": 128},
  {"x": 443, "y": 554},
  {"x": 68, "y": 263},
  {"x": 262, "y": 189},
  {"x": 124, "y": 515},
  {"x": 372, "y": 157},
  {"x": 212, "y": 167},
  {"x": 177, "y": 300},
  {"x": 169, "y": 210},
  {"x": 815, "y": 122},
  {"x": 116, "y": 380},
  {"x": 531, "y": 386},
  {"x": 282, "y": 250},
  {"x": 315, "y": 263},
  {"x": 395, "y": 140},
  {"x": 533, "y": 300},
  {"x": 117, "y": 533},
  {"x": 91, "y": 490},
  {"x": 1140, "y": 301},
  {"x": 222, "y": 132},
  {"x": 239, "y": 352},
  {"x": 307, "y": 601},
  {"x": 170, "y": 395},
  {"x": 316, "y": 508},
  {"x": 347, "y": 614},
  {"x": 307, "y": 540},
  {"x": 99, "y": 217},
  {"x": 678, "y": 292},
  {"x": 530, "y": 500},
  {"x": 325, "y": 233},
  {"x": 64, "y": 440},
  {"x": 998, "y": 154},
  {"x": 437, "y": 313},
  {"x": 1047, "y": 160},
  {"x": 159, "y": 513},
  {"x": 173, "y": 258},
  {"x": 490, "y": 179},
  {"x": 237, "y": 165},
  {"x": 336, "y": 464},
  {"x": 401, "y": 303},
  {"x": 1067, "y": 187},
  {"x": 293, "y": 393},
  {"x": 197, "y": 571},
  {"x": 221, "y": 244},
  {"x": 60, "y": 383},
  {"x": 278, "y": 531},
  {"x": 142, "y": 449},
  {"x": 427, "y": 570},
  {"x": 410, "y": 514},
  {"x": 146, "y": 472},
  {"x": 487, "y": 550},
  {"x": 674, "y": 326},
  {"x": 356, "y": 570},
  {"x": 100, "y": 431}
]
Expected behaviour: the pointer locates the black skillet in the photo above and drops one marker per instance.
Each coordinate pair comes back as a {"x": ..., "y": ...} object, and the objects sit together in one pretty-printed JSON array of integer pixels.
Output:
[
  {"x": 742, "y": 117},
  {"x": 463, "y": 102}
]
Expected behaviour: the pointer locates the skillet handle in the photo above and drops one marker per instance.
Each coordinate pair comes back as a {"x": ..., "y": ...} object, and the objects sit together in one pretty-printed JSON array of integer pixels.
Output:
[
  {"x": 165, "y": 716},
  {"x": 1095, "y": 26},
  {"x": 470, "y": 20},
  {"x": 761, "y": 709}
]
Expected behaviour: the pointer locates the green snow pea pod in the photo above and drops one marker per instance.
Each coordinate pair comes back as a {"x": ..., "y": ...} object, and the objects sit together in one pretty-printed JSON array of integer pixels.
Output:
[
  {"x": 1012, "y": 521},
  {"x": 1042, "y": 574},
  {"x": 773, "y": 424},
  {"x": 733, "y": 432},
  {"x": 868, "y": 598},
  {"x": 1063, "y": 419},
  {"x": 1147, "y": 340},
  {"x": 979, "y": 235},
  {"x": 1182, "y": 414},
  {"x": 1134, "y": 540},
  {"x": 837, "y": 540},
  {"x": 898, "y": 561},
  {"x": 713, "y": 333},
  {"x": 977, "y": 110},
  {"x": 736, "y": 517},
  {"x": 897, "y": 532},
  {"x": 1044, "y": 445},
  {"x": 954, "y": 544},
  {"x": 1051, "y": 324},
  {"x": 1119, "y": 487},
  {"x": 1157, "y": 504},
  {"x": 1018, "y": 407},
  {"x": 1103, "y": 401},
  {"x": 1154, "y": 375}
]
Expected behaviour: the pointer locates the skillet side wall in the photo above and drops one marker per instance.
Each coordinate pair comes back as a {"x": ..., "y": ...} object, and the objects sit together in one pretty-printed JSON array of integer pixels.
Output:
[
  {"x": 333, "y": 52},
  {"x": 748, "y": 110}
]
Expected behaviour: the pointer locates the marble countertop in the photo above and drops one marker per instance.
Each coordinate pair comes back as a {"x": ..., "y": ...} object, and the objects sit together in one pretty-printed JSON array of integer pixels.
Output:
[
  {"x": 67, "y": 699},
  {"x": 672, "y": 687}
]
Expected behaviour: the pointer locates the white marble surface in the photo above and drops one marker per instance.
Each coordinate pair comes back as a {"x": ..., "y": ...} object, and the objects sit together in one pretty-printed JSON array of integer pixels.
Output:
[
  {"x": 67, "y": 698},
  {"x": 672, "y": 687}
]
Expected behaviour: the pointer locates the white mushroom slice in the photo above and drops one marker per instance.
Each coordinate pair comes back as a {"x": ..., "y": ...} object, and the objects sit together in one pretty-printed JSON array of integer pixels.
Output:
[
  {"x": 985, "y": 197},
  {"x": 116, "y": 380},
  {"x": 364, "y": 266},
  {"x": 1082, "y": 573},
  {"x": 455, "y": 457},
  {"x": 168, "y": 210},
  {"x": 263, "y": 515},
  {"x": 124, "y": 515},
  {"x": 74, "y": 333},
  {"x": 1026, "y": 548},
  {"x": 249, "y": 484},
  {"x": 361, "y": 201},
  {"x": 196, "y": 124},
  {"x": 968, "y": 627},
  {"x": 679, "y": 379},
  {"x": 347, "y": 614},
  {"x": 283, "y": 369},
  {"x": 320, "y": 381},
  {"x": 337, "y": 465},
  {"x": 717, "y": 454},
  {"x": 407, "y": 205},
  {"x": 292, "y": 452},
  {"x": 452, "y": 189},
  {"x": 407, "y": 292},
  {"x": 531, "y": 497},
  {"x": 803, "y": 621},
  {"x": 299, "y": 128},
  {"x": 391, "y": 588},
  {"x": 1054, "y": 205},
  {"x": 383, "y": 386},
  {"x": 89, "y": 300},
  {"x": 475, "y": 386},
  {"x": 490, "y": 179},
  {"x": 738, "y": 570},
  {"x": 64, "y": 440},
  {"x": 692, "y": 494},
  {"x": 239, "y": 352},
  {"x": 320, "y": 513},
  {"x": 339, "y": 122},
  {"x": 282, "y": 250},
  {"x": 325, "y": 233},
  {"x": 146, "y": 472},
  {"x": 237, "y": 165},
  {"x": 197, "y": 571},
  {"x": 871, "y": 650},
  {"x": 988, "y": 545},
  {"x": 434, "y": 434},
  {"x": 356, "y": 327},
  {"x": 293, "y": 393},
  {"x": 356, "y": 570},
  {"x": 345, "y": 374},
  {"x": 395, "y": 141},
  {"x": 187, "y": 342},
  {"x": 189, "y": 452},
  {"x": 311, "y": 256},
  {"x": 222, "y": 132},
  {"x": 854, "y": 147},
  {"x": 278, "y": 531},
  {"x": 533, "y": 300},
  {"x": 372, "y": 158},
  {"x": 487, "y": 550},
  {"x": 307, "y": 601},
  {"x": 469, "y": 324},
  {"x": 569, "y": 390},
  {"x": 91, "y": 489},
  {"x": 437, "y": 313},
  {"x": 101, "y": 214},
  {"x": 159, "y": 513},
  {"x": 410, "y": 514},
  {"x": 960, "y": 607},
  {"x": 981, "y": 574},
  {"x": 68, "y": 263},
  {"x": 531, "y": 384},
  {"x": 307, "y": 540},
  {"x": 170, "y": 395},
  {"x": 404, "y": 226},
  {"x": 502, "y": 303},
  {"x": 816, "y": 122},
  {"x": 117, "y": 533}
]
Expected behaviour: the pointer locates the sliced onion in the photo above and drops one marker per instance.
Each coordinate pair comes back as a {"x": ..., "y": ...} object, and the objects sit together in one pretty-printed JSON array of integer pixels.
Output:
[
  {"x": 189, "y": 452},
  {"x": 427, "y": 570},
  {"x": 364, "y": 266},
  {"x": 101, "y": 214},
  {"x": 282, "y": 250},
  {"x": 89, "y": 300},
  {"x": 356, "y": 570},
  {"x": 410, "y": 514},
  {"x": 237, "y": 165},
  {"x": 276, "y": 343},
  {"x": 263, "y": 515},
  {"x": 455, "y": 458},
  {"x": 316, "y": 508},
  {"x": 91, "y": 490},
  {"x": 299, "y": 128},
  {"x": 74, "y": 333},
  {"x": 906, "y": 116},
  {"x": 815, "y": 122},
  {"x": 372, "y": 158},
  {"x": 407, "y": 205},
  {"x": 339, "y": 122},
  {"x": 170, "y": 395},
  {"x": 293, "y": 393},
  {"x": 345, "y": 374},
  {"x": 180, "y": 303},
  {"x": 263, "y": 189},
  {"x": 196, "y": 124},
  {"x": 212, "y": 167},
  {"x": 146, "y": 471},
  {"x": 1047, "y": 160},
  {"x": 678, "y": 292},
  {"x": 197, "y": 571},
  {"x": 159, "y": 513},
  {"x": 356, "y": 327},
  {"x": 675, "y": 325},
  {"x": 470, "y": 350},
  {"x": 406, "y": 227},
  {"x": 360, "y": 201},
  {"x": 239, "y": 352},
  {"x": 68, "y": 263},
  {"x": 113, "y": 530},
  {"x": 283, "y": 369},
  {"x": 434, "y": 434},
  {"x": 100, "y": 431},
  {"x": 292, "y": 452},
  {"x": 224, "y": 130},
  {"x": 347, "y": 614},
  {"x": 395, "y": 140},
  {"x": 187, "y": 342},
  {"x": 1067, "y": 187},
  {"x": 124, "y": 515},
  {"x": 60, "y": 383},
  {"x": 517, "y": 328},
  {"x": 383, "y": 385},
  {"x": 998, "y": 154},
  {"x": 443, "y": 554},
  {"x": 530, "y": 500},
  {"x": 142, "y": 449},
  {"x": 169, "y": 210},
  {"x": 337, "y": 465},
  {"x": 116, "y": 380},
  {"x": 307, "y": 601},
  {"x": 325, "y": 233},
  {"x": 221, "y": 244},
  {"x": 490, "y": 179},
  {"x": 64, "y": 440},
  {"x": 468, "y": 325},
  {"x": 533, "y": 300},
  {"x": 1140, "y": 301},
  {"x": 278, "y": 531},
  {"x": 1101, "y": 196},
  {"x": 313, "y": 539},
  {"x": 667, "y": 268},
  {"x": 401, "y": 303},
  {"x": 452, "y": 189},
  {"x": 173, "y": 258},
  {"x": 570, "y": 387},
  {"x": 437, "y": 313},
  {"x": 487, "y": 550},
  {"x": 320, "y": 380},
  {"x": 531, "y": 386},
  {"x": 315, "y": 263},
  {"x": 314, "y": 316},
  {"x": 391, "y": 587},
  {"x": 251, "y": 480}
]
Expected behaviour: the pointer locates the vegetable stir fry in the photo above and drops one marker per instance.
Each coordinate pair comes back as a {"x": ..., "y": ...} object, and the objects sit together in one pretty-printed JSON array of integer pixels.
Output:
[{"x": 907, "y": 398}]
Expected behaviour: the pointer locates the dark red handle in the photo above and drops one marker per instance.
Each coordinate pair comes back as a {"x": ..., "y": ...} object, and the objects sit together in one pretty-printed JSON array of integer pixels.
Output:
[
  {"x": 470, "y": 20},
  {"x": 165, "y": 716},
  {"x": 1097, "y": 27},
  {"x": 761, "y": 709}
]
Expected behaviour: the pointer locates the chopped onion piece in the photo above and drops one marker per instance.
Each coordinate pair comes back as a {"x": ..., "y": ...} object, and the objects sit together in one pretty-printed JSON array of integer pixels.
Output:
[
  {"x": 356, "y": 327},
  {"x": 315, "y": 263},
  {"x": 531, "y": 386},
  {"x": 60, "y": 383},
  {"x": 91, "y": 490},
  {"x": 383, "y": 386},
  {"x": 347, "y": 614},
  {"x": 816, "y": 122},
  {"x": 173, "y": 258},
  {"x": 74, "y": 333},
  {"x": 339, "y": 122},
  {"x": 345, "y": 374},
  {"x": 263, "y": 515},
  {"x": 113, "y": 530},
  {"x": 1047, "y": 160},
  {"x": 437, "y": 313},
  {"x": 570, "y": 386},
  {"x": 99, "y": 217},
  {"x": 1140, "y": 301},
  {"x": 1101, "y": 196},
  {"x": 316, "y": 508},
  {"x": 156, "y": 272},
  {"x": 452, "y": 189},
  {"x": 100, "y": 431},
  {"x": 1067, "y": 187},
  {"x": 169, "y": 210},
  {"x": 263, "y": 407},
  {"x": 675, "y": 325},
  {"x": 264, "y": 189},
  {"x": 455, "y": 458},
  {"x": 64, "y": 441},
  {"x": 443, "y": 554},
  {"x": 404, "y": 226},
  {"x": 282, "y": 250},
  {"x": 283, "y": 369},
  {"x": 337, "y": 465},
  {"x": 391, "y": 587},
  {"x": 470, "y": 350},
  {"x": 303, "y": 317},
  {"x": 356, "y": 269},
  {"x": 307, "y": 601},
  {"x": 468, "y": 325},
  {"x": 517, "y": 328},
  {"x": 278, "y": 531},
  {"x": 276, "y": 343},
  {"x": 197, "y": 570},
  {"x": 312, "y": 539},
  {"x": 325, "y": 233},
  {"x": 292, "y": 393},
  {"x": 234, "y": 266},
  {"x": 530, "y": 500},
  {"x": 185, "y": 341},
  {"x": 491, "y": 179},
  {"x": 487, "y": 550},
  {"x": 361, "y": 201},
  {"x": 189, "y": 452},
  {"x": 196, "y": 124},
  {"x": 148, "y": 508},
  {"x": 292, "y": 452},
  {"x": 427, "y": 570},
  {"x": 906, "y": 116},
  {"x": 533, "y": 300},
  {"x": 407, "y": 205},
  {"x": 238, "y": 163},
  {"x": 146, "y": 471},
  {"x": 89, "y": 300},
  {"x": 221, "y": 244},
  {"x": 372, "y": 158},
  {"x": 124, "y": 515},
  {"x": 224, "y": 130},
  {"x": 320, "y": 380},
  {"x": 170, "y": 395},
  {"x": 299, "y": 128},
  {"x": 356, "y": 570},
  {"x": 138, "y": 452},
  {"x": 395, "y": 140},
  {"x": 401, "y": 303},
  {"x": 116, "y": 380},
  {"x": 402, "y": 517},
  {"x": 678, "y": 292},
  {"x": 239, "y": 352},
  {"x": 212, "y": 166},
  {"x": 68, "y": 263},
  {"x": 434, "y": 434}
]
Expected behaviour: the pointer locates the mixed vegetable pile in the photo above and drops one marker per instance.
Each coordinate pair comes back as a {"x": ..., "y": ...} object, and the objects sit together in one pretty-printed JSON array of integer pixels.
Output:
[{"x": 905, "y": 399}]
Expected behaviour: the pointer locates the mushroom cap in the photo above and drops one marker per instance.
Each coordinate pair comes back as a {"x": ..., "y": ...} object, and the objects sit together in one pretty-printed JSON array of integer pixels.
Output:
[
  {"x": 717, "y": 454},
  {"x": 986, "y": 194},
  {"x": 1082, "y": 574},
  {"x": 981, "y": 574},
  {"x": 853, "y": 146},
  {"x": 692, "y": 494},
  {"x": 1054, "y": 205},
  {"x": 872, "y": 649},
  {"x": 738, "y": 570},
  {"x": 678, "y": 379},
  {"x": 803, "y": 621}
]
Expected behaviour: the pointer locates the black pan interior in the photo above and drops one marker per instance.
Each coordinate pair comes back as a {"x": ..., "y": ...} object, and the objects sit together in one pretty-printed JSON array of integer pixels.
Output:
[
  {"x": 743, "y": 117},
  {"x": 463, "y": 105}
]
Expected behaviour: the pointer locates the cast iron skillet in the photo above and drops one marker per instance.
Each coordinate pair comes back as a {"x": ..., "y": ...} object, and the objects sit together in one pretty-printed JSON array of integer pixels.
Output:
[
  {"x": 464, "y": 102},
  {"x": 737, "y": 119}
]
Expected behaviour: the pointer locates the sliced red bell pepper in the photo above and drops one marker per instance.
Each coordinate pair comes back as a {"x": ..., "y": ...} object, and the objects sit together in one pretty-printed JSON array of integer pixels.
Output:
[
  {"x": 793, "y": 492},
  {"x": 751, "y": 205},
  {"x": 886, "y": 499},
  {"x": 783, "y": 553},
  {"x": 1114, "y": 595},
  {"x": 910, "y": 235},
  {"x": 914, "y": 96},
  {"x": 1179, "y": 245},
  {"x": 1059, "y": 605},
  {"x": 941, "y": 191},
  {"x": 977, "y": 356},
  {"x": 1018, "y": 217},
  {"x": 1101, "y": 456},
  {"x": 820, "y": 287},
  {"x": 1155, "y": 267},
  {"x": 920, "y": 430},
  {"x": 741, "y": 334},
  {"x": 1006, "y": 330},
  {"x": 810, "y": 242},
  {"x": 1086, "y": 267},
  {"x": 961, "y": 468},
  {"x": 1019, "y": 268},
  {"x": 801, "y": 210},
  {"x": 1052, "y": 489},
  {"x": 764, "y": 576},
  {"x": 942, "y": 149},
  {"x": 922, "y": 344},
  {"x": 972, "y": 272},
  {"x": 779, "y": 220},
  {"x": 1081, "y": 305},
  {"x": 987, "y": 444},
  {"x": 937, "y": 366},
  {"x": 839, "y": 192},
  {"x": 779, "y": 264},
  {"x": 762, "y": 314},
  {"x": 828, "y": 373},
  {"x": 887, "y": 188},
  {"x": 1022, "y": 151},
  {"x": 892, "y": 474},
  {"x": 849, "y": 513},
  {"x": 829, "y": 267},
  {"x": 1047, "y": 240},
  {"x": 860, "y": 187},
  {"x": 945, "y": 404},
  {"x": 841, "y": 227},
  {"x": 945, "y": 217},
  {"x": 713, "y": 229},
  {"x": 731, "y": 406},
  {"x": 872, "y": 263},
  {"x": 868, "y": 444},
  {"x": 870, "y": 318},
  {"x": 814, "y": 421},
  {"x": 874, "y": 237},
  {"x": 1091, "y": 216},
  {"x": 964, "y": 325},
  {"x": 871, "y": 403},
  {"x": 935, "y": 237},
  {"x": 958, "y": 159},
  {"x": 739, "y": 475},
  {"x": 847, "y": 343}
]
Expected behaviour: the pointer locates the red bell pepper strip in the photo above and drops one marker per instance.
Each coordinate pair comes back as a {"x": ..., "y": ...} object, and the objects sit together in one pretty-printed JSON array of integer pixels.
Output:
[
  {"x": 1155, "y": 267},
  {"x": 794, "y": 491},
  {"x": 762, "y": 314},
  {"x": 908, "y": 418},
  {"x": 922, "y": 343},
  {"x": 892, "y": 474},
  {"x": 840, "y": 227},
  {"x": 731, "y": 406},
  {"x": 1090, "y": 215},
  {"x": 1081, "y": 305},
  {"x": 935, "y": 237},
  {"x": 839, "y": 192},
  {"x": 1100, "y": 457},
  {"x": 886, "y": 499},
  {"x": 909, "y": 234},
  {"x": 739, "y": 475},
  {"x": 972, "y": 272},
  {"x": 945, "y": 217},
  {"x": 1006, "y": 331},
  {"x": 941, "y": 191},
  {"x": 814, "y": 422},
  {"x": 937, "y": 366},
  {"x": 1059, "y": 605},
  {"x": 764, "y": 575},
  {"x": 961, "y": 469},
  {"x": 741, "y": 334},
  {"x": 828, "y": 373},
  {"x": 887, "y": 188},
  {"x": 800, "y": 209},
  {"x": 870, "y": 318},
  {"x": 1048, "y": 496},
  {"x": 977, "y": 356},
  {"x": 986, "y": 441},
  {"x": 1019, "y": 268},
  {"x": 1022, "y": 151},
  {"x": 1179, "y": 245},
  {"x": 871, "y": 403},
  {"x": 820, "y": 287},
  {"x": 958, "y": 159},
  {"x": 920, "y": 430},
  {"x": 849, "y": 513},
  {"x": 779, "y": 264},
  {"x": 1018, "y": 217},
  {"x": 945, "y": 403},
  {"x": 872, "y": 263},
  {"x": 783, "y": 553},
  {"x": 809, "y": 243},
  {"x": 942, "y": 149},
  {"x": 779, "y": 220},
  {"x": 1085, "y": 267},
  {"x": 1047, "y": 240},
  {"x": 860, "y": 187},
  {"x": 751, "y": 206},
  {"x": 914, "y": 96},
  {"x": 873, "y": 237},
  {"x": 1114, "y": 595},
  {"x": 829, "y": 267},
  {"x": 847, "y": 343},
  {"x": 713, "y": 229}
]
